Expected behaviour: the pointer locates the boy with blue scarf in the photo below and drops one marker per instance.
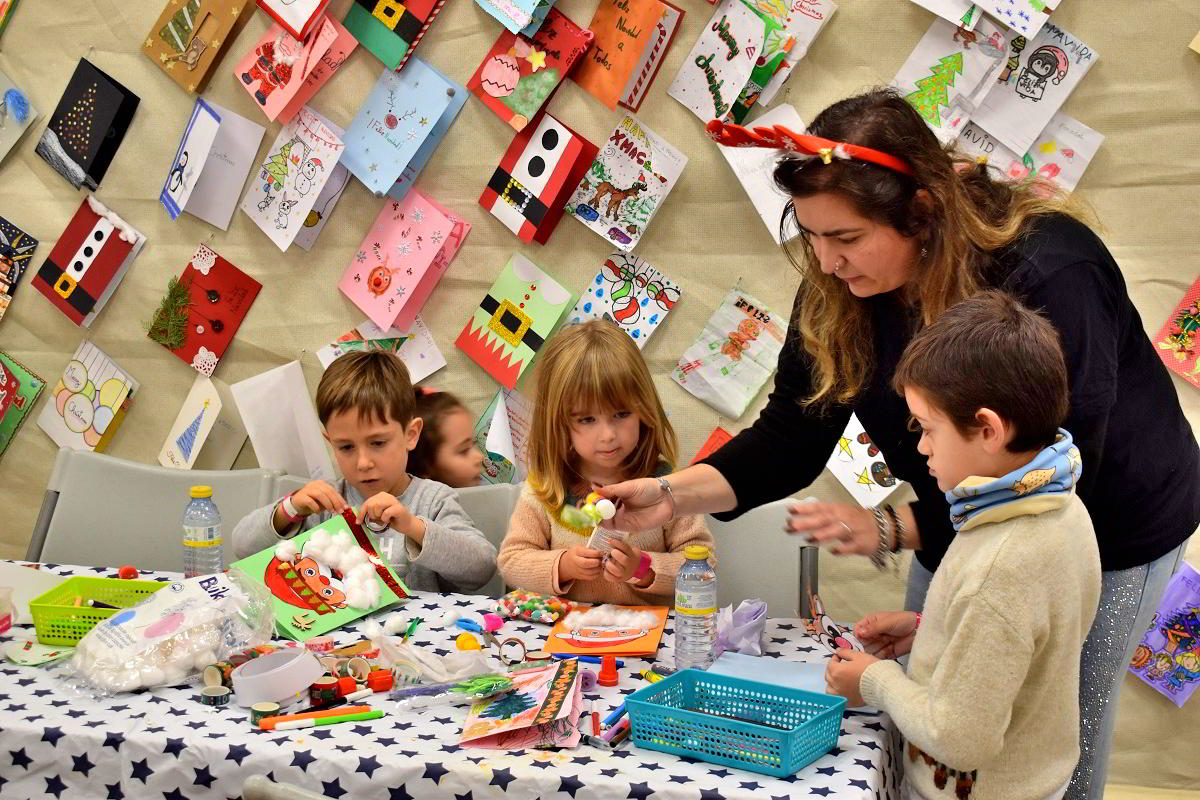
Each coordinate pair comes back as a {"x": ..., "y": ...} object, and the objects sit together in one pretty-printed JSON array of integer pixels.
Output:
[{"x": 988, "y": 704}]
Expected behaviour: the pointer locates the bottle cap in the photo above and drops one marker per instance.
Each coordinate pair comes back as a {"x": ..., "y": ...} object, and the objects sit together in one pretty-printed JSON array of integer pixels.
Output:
[
  {"x": 201, "y": 491},
  {"x": 695, "y": 552}
]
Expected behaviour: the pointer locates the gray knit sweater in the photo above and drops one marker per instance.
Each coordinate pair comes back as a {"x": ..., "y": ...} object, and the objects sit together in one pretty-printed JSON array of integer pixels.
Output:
[{"x": 454, "y": 556}]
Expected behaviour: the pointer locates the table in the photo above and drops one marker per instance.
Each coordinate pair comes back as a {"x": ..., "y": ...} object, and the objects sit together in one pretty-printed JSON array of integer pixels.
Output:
[{"x": 164, "y": 744}]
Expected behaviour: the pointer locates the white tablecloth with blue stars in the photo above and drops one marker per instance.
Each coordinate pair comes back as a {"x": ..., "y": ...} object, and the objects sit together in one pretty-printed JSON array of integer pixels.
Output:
[{"x": 165, "y": 744}]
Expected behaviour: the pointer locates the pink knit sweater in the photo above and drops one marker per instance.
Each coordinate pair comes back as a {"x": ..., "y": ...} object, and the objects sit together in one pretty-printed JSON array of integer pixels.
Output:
[{"x": 537, "y": 538}]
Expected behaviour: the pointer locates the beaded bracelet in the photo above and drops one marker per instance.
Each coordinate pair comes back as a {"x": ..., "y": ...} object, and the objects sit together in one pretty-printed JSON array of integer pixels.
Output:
[
  {"x": 900, "y": 531},
  {"x": 879, "y": 557}
]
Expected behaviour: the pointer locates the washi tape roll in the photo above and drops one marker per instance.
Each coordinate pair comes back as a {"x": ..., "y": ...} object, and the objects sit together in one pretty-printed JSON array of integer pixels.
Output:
[
  {"x": 323, "y": 690},
  {"x": 214, "y": 695},
  {"x": 359, "y": 668},
  {"x": 329, "y": 664},
  {"x": 587, "y": 680},
  {"x": 320, "y": 644},
  {"x": 260, "y": 710},
  {"x": 211, "y": 676},
  {"x": 380, "y": 680}
]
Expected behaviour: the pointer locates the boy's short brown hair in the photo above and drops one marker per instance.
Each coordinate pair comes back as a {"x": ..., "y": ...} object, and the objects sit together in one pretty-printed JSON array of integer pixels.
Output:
[
  {"x": 373, "y": 382},
  {"x": 989, "y": 351}
]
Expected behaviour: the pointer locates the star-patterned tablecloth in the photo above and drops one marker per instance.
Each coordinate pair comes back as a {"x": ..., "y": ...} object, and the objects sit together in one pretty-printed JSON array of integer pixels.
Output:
[{"x": 163, "y": 743}]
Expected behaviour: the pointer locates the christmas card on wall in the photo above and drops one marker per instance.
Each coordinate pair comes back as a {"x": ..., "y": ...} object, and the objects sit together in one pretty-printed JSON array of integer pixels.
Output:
[
  {"x": 519, "y": 74},
  {"x": 1177, "y": 343},
  {"x": 662, "y": 34},
  {"x": 87, "y": 126},
  {"x": 88, "y": 261},
  {"x": 393, "y": 123},
  {"x": 19, "y": 390},
  {"x": 1060, "y": 155},
  {"x": 1024, "y": 17},
  {"x": 298, "y": 17},
  {"x": 623, "y": 28},
  {"x": 1035, "y": 81},
  {"x": 291, "y": 178},
  {"x": 207, "y": 433},
  {"x": 754, "y": 167},
  {"x": 331, "y": 192},
  {"x": 511, "y": 323},
  {"x": 629, "y": 292},
  {"x": 277, "y": 410},
  {"x": 775, "y": 47},
  {"x": 16, "y": 254},
  {"x": 401, "y": 259},
  {"x": 802, "y": 24},
  {"x": 339, "y": 50},
  {"x": 516, "y": 15},
  {"x": 190, "y": 158},
  {"x": 734, "y": 356},
  {"x": 415, "y": 347},
  {"x": 217, "y": 175},
  {"x": 950, "y": 72},
  {"x": 190, "y": 35},
  {"x": 962, "y": 13},
  {"x": 859, "y": 467},
  {"x": 437, "y": 132},
  {"x": 542, "y": 166},
  {"x": 715, "y": 441},
  {"x": 203, "y": 309},
  {"x": 278, "y": 66},
  {"x": 626, "y": 183},
  {"x": 391, "y": 29},
  {"x": 88, "y": 402},
  {"x": 17, "y": 114},
  {"x": 719, "y": 65},
  {"x": 502, "y": 435}
]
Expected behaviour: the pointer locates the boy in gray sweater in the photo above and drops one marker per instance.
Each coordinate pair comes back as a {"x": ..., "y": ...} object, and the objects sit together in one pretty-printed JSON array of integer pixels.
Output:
[{"x": 366, "y": 402}]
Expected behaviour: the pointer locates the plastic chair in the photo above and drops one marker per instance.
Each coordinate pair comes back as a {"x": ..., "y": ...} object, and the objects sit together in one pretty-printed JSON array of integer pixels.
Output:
[
  {"x": 260, "y": 787},
  {"x": 105, "y": 512}
]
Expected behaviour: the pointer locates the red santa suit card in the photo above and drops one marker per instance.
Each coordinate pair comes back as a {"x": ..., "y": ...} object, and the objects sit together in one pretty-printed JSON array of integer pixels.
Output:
[
  {"x": 88, "y": 261},
  {"x": 203, "y": 309},
  {"x": 541, "y": 167}
]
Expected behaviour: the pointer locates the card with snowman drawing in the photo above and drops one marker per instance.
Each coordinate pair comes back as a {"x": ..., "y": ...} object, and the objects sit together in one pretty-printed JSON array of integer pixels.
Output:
[{"x": 291, "y": 177}]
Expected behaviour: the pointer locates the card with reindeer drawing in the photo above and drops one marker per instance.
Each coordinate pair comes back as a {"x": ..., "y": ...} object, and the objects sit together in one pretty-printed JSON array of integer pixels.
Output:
[
  {"x": 278, "y": 66},
  {"x": 291, "y": 177},
  {"x": 627, "y": 183},
  {"x": 401, "y": 259},
  {"x": 400, "y": 113}
]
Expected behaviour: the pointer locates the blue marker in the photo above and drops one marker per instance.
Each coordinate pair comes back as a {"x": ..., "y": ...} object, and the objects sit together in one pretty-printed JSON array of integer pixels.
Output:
[
  {"x": 615, "y": 715},
  {"x": 584, "y": 659}
]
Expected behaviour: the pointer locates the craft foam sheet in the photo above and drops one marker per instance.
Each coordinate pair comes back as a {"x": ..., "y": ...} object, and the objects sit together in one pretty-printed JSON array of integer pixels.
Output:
[
  {"x": 88, "y": 261},
  {"x": 514, "y": 319},
  {"x": 189, "y": 38},
  {"x": 290, "y": 179},
  {"x": 502, "y": 435},
  {"x": 734, "y": 356},
  {"x": 1036, "y": 79},
  {"x": 629, "y": 292},
  {"x": 754, "y": 168},
  {"x": 950, "y": 72},
  {"x": 541, "y": 167},
  {"x": 19, "y": 390},
  {"x": 88, "y": 402},
  {"x": 519, "y": 74},
  {"x": 659, "y": 40},
  {"x": 391, "y": 29},
  {"x": 623, "y": 28},
  {"x": 88, "y": 126},
  {"x": 719, "y": 64},
  {"x": 804, "y": 22},
  {"x": 403, "y": 256},
  {"x": 299, "y": 17},
  {"x": 207, "y": 433},
  {"x": 221, "y": 172},
  {"x": 393, "y": 123},
  {"x": 17, "y": 114},
  {"x": 278, "y": 66},
  {"x": 1178, "y": 341},
  {"x": 859, "y": 466},
  {"x": 1060, "y": 155},
  {"x": 627, "y": 183}
]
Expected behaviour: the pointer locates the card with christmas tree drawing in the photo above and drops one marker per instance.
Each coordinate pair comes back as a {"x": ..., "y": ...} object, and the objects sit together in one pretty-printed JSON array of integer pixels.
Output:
[
  {"x": 203, "y": 309},
  {"x": 190, "y": 37},
  {"x": 949, "y": 72},
  {"x": 391, "y": 29},
  {"x": 17, "y": 114},
  {"x": 1177, "y": 339},
  {"x": 87, "y": 126},
  {"x": 519, "y": 73},
  {"x": 629, "y": 292},
  {"x": 278, "y": 66},
  {"x": 563, "y": 731},
  {"x": 513, "y": 321},
  {"x": 538, "y": 697},
  {"x": 19, "y": 390},
  {"x": 89, "y": 401},
  {"x": 719, "y": 65},
  {"x": 290, "y": 179},
  {"x": 207, "y": 433},
  {"x": 627, "y": 183}
]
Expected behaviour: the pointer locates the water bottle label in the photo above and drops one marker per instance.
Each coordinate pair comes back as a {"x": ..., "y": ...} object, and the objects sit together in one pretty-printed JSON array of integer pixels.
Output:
[
  {"x": 206, "y": 536},
  {"x": 696, "y": 601}
]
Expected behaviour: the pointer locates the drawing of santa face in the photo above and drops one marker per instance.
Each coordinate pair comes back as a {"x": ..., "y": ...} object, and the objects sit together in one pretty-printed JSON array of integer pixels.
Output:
[
  {"x": 318, "y": 577},
  {"x": 597, "y": 636}
]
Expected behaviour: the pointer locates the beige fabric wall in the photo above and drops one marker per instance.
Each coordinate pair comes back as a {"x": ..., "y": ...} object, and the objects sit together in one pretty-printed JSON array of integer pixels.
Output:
[{"x": 1143, "y": 184}]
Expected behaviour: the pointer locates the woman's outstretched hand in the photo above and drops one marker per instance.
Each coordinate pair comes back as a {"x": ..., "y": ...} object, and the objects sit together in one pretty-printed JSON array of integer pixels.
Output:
[
  {"x": 850, "y": 529},
  {"x": 641, "y": 504}
]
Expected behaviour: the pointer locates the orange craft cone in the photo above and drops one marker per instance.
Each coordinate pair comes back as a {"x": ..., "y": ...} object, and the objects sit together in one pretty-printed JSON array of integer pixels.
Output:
[{"x": 608, "y": 671}]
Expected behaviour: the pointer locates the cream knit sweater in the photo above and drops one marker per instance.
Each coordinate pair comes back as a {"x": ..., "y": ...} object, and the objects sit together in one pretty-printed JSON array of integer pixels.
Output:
[
  {"x": 989, "y": 707},
  {"x": 536, "y": 540}
]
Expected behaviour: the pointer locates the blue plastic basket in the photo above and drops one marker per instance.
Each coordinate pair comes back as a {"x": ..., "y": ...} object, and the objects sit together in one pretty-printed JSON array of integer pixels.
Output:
[{"x": 761, "y": 727}]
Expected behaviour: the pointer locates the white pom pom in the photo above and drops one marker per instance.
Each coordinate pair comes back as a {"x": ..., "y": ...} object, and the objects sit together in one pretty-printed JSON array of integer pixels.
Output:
[
  {"x": 394, "y": 624},
  {"x": 125, "y": 681},
  {"x": 372, "y": 629},
  {"x": 175, "y": 675},
  {"x": 286, "y": 550},
  {"x": 606, "y": 507}
]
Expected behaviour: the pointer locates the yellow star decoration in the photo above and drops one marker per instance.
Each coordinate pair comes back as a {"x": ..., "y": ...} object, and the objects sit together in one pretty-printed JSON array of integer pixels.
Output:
[
  {"x": 536, "y": 59},
  {"x": 170, "y": 66},
  {"x": 864, "y": 478},
  {"x": 216, "y": 43},
  {"x": 149, "y": 42},
  {"x": 844, "y": 446},
  {"x": 191, "y": 87},
  {"x": 235, "y": 10}
]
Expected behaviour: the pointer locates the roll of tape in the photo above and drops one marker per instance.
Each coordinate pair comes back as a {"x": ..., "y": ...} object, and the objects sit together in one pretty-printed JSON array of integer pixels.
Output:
[
  {"x": 323, "y": 690},
  {"x": 275, "y": 676},
  {"x": 212, "y": 675},
  {"x": 260, "y": 710},
  {"x": 320, "y": 644},
  {"x": 359, "y": 668},
  {"x": 214, "y": 696}
]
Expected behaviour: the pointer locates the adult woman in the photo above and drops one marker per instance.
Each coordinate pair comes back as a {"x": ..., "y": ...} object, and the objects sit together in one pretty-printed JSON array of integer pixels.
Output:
[{"x": 894, "y": 231}]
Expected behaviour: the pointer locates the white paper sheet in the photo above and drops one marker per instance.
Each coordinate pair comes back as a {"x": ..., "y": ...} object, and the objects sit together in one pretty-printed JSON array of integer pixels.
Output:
[
  {"x": 858, "y": 466},
  {"x": 216, "y": 193},
  {"x": 754, "y": 167},
  {"x": 282, "y": 424}
]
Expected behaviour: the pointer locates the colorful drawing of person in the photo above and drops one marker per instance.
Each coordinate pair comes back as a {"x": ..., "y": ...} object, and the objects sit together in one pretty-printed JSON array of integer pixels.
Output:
[
  {"x": 1160, "y": 665},
  {"x": 1187, "y": 669},
  {"x": 1045, "y": 62},
  {"x": 272, "y": 68}
]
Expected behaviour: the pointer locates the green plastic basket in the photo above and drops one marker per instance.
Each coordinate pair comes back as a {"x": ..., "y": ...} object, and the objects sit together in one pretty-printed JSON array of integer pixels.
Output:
[{"x": 58, "y": 620}]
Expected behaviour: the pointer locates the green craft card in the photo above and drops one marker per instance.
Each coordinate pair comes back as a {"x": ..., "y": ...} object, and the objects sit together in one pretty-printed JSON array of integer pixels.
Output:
[
  {"x": 372, "y": 34},
  {"x": 19, "y": 390}
]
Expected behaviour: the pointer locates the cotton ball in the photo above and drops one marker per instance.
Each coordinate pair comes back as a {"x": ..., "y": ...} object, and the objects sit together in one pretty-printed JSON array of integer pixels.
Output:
[
  {"x": 286, "y": 550},
  {"x": 125, "y": 680},
  {"x": 175, "y": 674},
  {"x": 394, "y": 624},
  {"x": 152, "y": 676},
  {"x": 343, "y": 541},
  {"x": 319, "y": 539},
  {"x": 372, "y": 629},
  {"x": 204, "y": 658}
]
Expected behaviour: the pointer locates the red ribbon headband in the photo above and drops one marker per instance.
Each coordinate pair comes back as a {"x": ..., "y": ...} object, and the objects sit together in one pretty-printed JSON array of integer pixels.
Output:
[{"x": 781, "y": 138}]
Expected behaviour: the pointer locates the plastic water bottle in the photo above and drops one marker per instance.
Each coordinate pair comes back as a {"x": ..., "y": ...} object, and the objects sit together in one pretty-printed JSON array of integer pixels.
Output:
[
  {"x": 695, "y": 610},
  {"x": 202, "y": 535}
]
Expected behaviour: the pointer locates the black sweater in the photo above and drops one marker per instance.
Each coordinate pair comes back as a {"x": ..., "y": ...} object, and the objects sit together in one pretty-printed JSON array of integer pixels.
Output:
[{"x": 1141, "y": 465}]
